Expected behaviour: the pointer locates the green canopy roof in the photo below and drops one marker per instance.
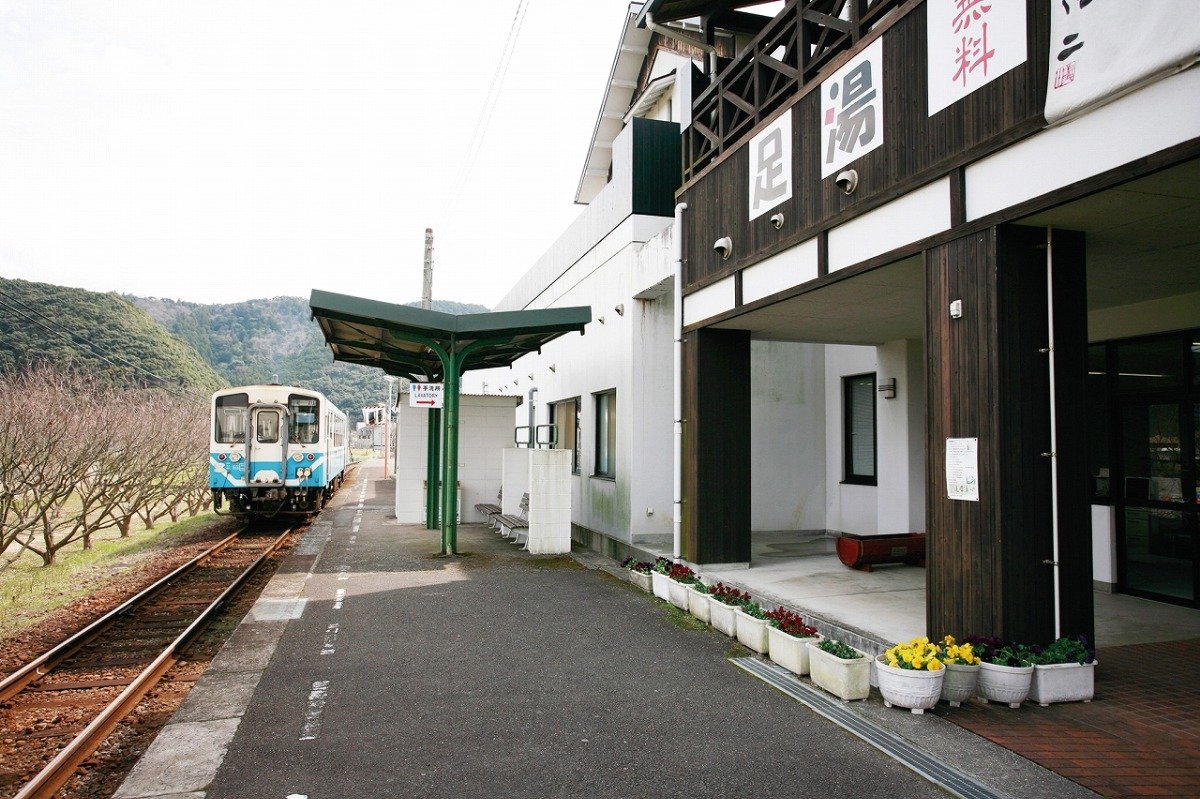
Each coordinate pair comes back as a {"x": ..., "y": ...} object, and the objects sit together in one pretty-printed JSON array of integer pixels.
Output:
[{"x": 396, "y": 338}]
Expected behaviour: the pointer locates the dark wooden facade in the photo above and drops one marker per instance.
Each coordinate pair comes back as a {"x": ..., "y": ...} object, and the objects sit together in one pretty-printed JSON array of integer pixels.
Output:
[
  {"x": 917, "y": 149},
  {"x": 989, "y": 566},
  {"x": 716, "y": 446}
]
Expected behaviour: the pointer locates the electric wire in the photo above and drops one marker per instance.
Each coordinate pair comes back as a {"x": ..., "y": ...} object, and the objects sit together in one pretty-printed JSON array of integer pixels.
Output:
[
  {"x": 489, "y": 106},
  {"x": 90, "y": 347}
]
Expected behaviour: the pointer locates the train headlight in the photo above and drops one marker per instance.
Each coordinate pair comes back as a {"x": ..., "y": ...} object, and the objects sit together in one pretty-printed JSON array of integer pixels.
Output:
[
  {"x": 235, "y": 457},
  {"x": 299, "y": 456}
]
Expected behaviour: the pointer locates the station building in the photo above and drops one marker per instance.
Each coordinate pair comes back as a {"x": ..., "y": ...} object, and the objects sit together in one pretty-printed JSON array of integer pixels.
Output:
[{"x": 939, "y": 263}]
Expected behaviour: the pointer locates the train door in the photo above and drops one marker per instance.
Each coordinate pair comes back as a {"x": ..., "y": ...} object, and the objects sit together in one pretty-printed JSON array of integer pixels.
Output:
[{"x": 267, "y": 449}]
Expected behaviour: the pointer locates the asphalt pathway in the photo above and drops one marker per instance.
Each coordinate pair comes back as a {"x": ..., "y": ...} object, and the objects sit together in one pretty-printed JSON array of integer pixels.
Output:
[{"x": 500, "y": 674}]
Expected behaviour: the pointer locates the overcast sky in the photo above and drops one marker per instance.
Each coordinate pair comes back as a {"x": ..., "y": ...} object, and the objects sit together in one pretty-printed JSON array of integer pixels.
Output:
[{"x": 219, "y": 151}]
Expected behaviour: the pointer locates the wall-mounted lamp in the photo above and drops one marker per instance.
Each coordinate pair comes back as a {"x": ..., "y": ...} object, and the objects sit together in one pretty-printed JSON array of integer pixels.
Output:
[
  {"x": 516, "y": 381},
  {"x": 531, "y": 377},
  {"x": 888, "y": 388},
  {"x": 620, "y": 309},
  {"x": 552, "y": 368},
  {"x": 777, "y": 221},
  {"x": 847, "y": 180},
  {"x": 723, "y": 247},
  {"x": 956, "y": 309},
  {"x": 600, "y": 319}
]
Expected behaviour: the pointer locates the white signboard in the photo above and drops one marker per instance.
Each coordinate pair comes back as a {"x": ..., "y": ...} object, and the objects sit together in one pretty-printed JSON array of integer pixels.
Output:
[
  {"x": 771, "y": 166},
  {"x": 970, "y": 44},
  {"x": 425, "y": 395},
  {"x": 1099, "y": 51},
  {"x": 962, "y": 469},
  {"x": 852, "y": 110}
]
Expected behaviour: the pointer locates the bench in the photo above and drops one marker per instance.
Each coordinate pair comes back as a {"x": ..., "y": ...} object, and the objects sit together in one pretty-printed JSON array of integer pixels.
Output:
[
  {"x": 517, "y": 526},
  {"x": 490, "y": 510}
]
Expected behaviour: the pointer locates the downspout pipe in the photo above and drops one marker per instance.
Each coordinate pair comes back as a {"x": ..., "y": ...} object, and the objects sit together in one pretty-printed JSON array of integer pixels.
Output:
[
  {"x": 1053, "y": 433},
  {"x": 677, "y": 407}
]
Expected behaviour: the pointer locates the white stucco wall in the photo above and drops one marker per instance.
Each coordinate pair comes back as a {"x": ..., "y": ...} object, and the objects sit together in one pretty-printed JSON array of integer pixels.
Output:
[
  {"x": 849, "y": 508},
  {"x": 787, "y": 436},
  {"x": 1104, "y": 544},
  {"x": 900, "y": 426},
  {"x": 484, "y": 430}
]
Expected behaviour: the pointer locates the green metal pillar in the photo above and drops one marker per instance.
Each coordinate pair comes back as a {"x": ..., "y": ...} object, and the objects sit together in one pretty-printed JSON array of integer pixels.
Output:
[
  {"x": 450, "y": 462},
  {"x": 433, "y": 468}
]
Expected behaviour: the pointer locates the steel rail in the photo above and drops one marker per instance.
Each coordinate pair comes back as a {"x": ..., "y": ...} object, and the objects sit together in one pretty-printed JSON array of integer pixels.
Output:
[
  {"x": 59, "y": 770},
  {"x": 14, "y": 683}
]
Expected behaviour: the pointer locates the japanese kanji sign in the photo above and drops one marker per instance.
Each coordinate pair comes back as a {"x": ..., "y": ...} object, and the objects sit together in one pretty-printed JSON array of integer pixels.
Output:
[
  {"x": 971, "y": 43},
  {"x": 425, "y": 395},
  {"x": 771, "y": 166},
  {"x": 852, "y": 110},
  {"x": 1101, "y": 49}
]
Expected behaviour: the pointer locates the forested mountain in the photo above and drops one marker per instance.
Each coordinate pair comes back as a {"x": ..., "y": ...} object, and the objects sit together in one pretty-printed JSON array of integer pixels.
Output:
[
  {"x": 139, "y": 341},
  {"x": 254, "y": 341},
  {"x": 96, "y": 334}
]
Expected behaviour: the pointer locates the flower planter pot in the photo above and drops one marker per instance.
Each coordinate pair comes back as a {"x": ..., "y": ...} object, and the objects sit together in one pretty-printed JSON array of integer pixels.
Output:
[
  {"x": 662, "y": 585},
  {"x": 845, "y": 679},
  {"x": 641, "y": 580},
  {"x": 788, "y": 650},
  {"x": 1007, "y": 684},
  {"x": 723, "y": 617},
  {"x": 752, "y": 632},
  {"x": 1063, "y": 682},
  {"x": 960, "y": 683},
  {"x": 698, "y": 604},
  {"x": 916, "y": 690},
  {"x": 677, "y": 593}
]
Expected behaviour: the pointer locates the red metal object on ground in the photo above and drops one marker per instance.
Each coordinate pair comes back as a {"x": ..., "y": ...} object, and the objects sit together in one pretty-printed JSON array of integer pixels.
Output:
[{"x": 862, "y": 551}]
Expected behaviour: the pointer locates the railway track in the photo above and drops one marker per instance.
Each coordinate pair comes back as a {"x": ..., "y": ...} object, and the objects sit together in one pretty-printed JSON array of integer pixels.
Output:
[{"x": 58, "y": 709}]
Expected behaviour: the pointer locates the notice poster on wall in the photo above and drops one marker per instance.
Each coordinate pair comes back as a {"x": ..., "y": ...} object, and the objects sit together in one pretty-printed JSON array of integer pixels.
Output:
[{"x": 962, "y": 469}]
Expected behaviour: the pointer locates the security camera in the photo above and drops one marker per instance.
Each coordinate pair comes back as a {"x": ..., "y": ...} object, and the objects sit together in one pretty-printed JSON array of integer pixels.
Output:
[
  {"x": 847, "y": 180},
  {"x": 723, "y": 246}
]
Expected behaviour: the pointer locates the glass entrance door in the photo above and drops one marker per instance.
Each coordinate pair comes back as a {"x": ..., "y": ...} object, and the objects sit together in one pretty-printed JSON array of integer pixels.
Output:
[{"x": 1159, "y": 513}]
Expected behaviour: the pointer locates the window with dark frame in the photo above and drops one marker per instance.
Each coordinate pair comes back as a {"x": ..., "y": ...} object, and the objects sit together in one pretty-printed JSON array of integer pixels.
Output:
[
  {"x": 564, "y": 415},
  {"x": 858, "y": 423},
  {"x": 606, "y": 434}
]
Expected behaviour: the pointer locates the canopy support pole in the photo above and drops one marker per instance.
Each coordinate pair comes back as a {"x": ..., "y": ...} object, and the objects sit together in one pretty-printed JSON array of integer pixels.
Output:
[{"x": 433, "y": 451}]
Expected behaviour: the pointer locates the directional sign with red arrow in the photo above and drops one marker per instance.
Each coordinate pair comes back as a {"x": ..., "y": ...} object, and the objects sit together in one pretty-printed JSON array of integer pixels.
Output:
[{"x": 425, "y": 395}]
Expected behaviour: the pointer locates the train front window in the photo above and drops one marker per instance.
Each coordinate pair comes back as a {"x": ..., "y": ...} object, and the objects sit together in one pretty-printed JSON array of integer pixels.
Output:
[
  {"x": 303, "y": 413},
  {"x": 230, "y": 419},
  {"x": 267, "y": 426}
]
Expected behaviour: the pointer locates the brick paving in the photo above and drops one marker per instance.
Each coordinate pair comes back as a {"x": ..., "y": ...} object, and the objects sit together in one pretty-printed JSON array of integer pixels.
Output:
[{"x": 1139, "y": 737}]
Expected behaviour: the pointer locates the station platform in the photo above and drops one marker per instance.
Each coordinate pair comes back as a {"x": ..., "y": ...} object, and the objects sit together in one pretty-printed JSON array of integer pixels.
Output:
[{"x": 372, "y": 667}]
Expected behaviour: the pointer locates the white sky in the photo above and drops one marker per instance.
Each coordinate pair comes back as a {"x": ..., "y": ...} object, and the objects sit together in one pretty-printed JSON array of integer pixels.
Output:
[{"x": 219, "y": 151}]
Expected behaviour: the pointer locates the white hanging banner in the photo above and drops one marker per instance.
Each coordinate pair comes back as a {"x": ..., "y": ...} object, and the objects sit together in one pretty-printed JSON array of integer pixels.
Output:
[
  {"x": 771, "y": 166},
  {"x": 1102, "y": 50},
  {"x": 962, "y": 469},
  {"x": 970, "y": 44},
  {"x": 852, "y": 110}
]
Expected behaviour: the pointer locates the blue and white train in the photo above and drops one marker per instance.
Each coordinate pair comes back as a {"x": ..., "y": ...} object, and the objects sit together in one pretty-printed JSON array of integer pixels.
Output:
[{"x": 275, "y": 449}]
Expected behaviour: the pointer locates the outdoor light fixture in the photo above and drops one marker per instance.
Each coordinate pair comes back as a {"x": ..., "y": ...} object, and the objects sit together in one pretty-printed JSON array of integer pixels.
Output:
[
  {"x": 620, "y": 309},
  {"x": 531, "y": 377},
  {"x": 552, "y": 368},
  {"x": 600, "y": 319},
  {"x": 956, "y": 309},
  {"x": 777, "y": 220},
  {"x": 888, "y": 388},
  {"x": 723, "y": 247}
]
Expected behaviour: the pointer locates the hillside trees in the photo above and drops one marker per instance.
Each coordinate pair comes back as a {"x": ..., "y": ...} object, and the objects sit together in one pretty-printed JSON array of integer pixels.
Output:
[{"x": 79, "y": 456}]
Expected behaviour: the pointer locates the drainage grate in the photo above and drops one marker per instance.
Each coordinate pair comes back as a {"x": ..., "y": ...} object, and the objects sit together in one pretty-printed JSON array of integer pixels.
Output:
[{"x": 930, "y": 768}]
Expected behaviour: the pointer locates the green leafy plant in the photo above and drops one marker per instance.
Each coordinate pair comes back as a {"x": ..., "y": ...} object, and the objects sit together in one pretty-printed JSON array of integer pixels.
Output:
[
  {"x": 1064, "y": 650},
  {"x": 662, "y": 565},
  {"x": 682, "y": 574},
  {"x": 637, "y": 565},
  {"x": 1012, "y": 655},
  {"x": 839, "y": 650},
  {"x": 754, "y": 610}
]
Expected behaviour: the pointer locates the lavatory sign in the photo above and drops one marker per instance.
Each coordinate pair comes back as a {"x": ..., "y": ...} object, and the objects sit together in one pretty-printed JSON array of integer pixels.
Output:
[
  {"x": 970, "y": 44},
  {"x": 852, "y": 110},
  {"x": 425, "y": 395},
  {"x": 771, "y": 166},
  {"x": 962, "y": 469}
]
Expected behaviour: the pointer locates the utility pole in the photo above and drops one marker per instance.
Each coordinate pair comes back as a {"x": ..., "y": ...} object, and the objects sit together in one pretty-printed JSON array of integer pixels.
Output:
[{"x": 427, "y": 290}]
